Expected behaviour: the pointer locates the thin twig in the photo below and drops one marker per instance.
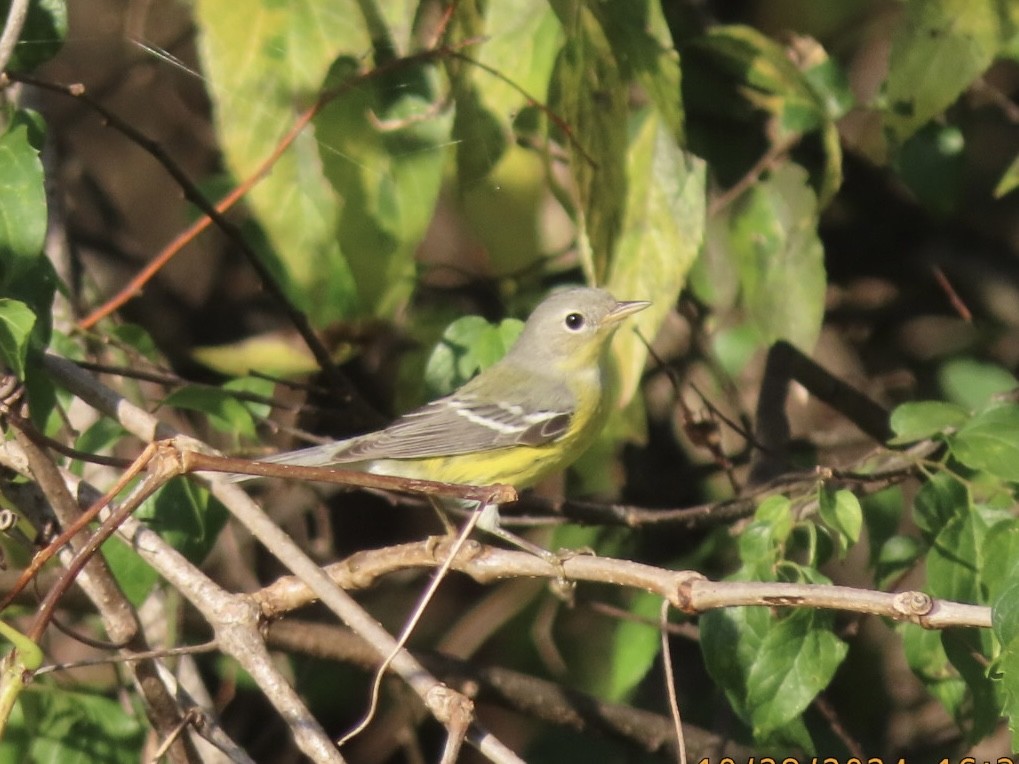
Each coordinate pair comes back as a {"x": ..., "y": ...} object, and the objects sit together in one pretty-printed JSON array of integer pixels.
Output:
[
  {"x": 670, "y": 683},
  {"x": 47, "y": 553},
  {"x": 235, "y": 633},
  {"x": 167, "y": 652},
  {"x": 411, "y": 623},
  {"x": 232, "y": 617},
  {"x": 953, "y": 297},
  {"x": 536, "y": 697},
  {"x": 531, "y": 101},
  {"x": 16, "y": 16},
  {"x": 761, "y": 166},
  {"x": 193, "y": 194},
  {"x": 499, "y": 493}
]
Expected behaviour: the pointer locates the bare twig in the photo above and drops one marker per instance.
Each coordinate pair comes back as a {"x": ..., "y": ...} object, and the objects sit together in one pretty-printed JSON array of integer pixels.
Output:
[
  {"x": 196, "y": 197},
  {"x": 534, "y": 696},
  {"x": 195, "y": 461},
  {"x": 189, "y": 580},
  {"x": 16, "y": 15},
  {"x": 784, "y": 364},
  {"x": 46, "y": 554},
  {"x": 119, "y": 617},
  {"x": 670, "y": 683},
  {"x": 235, "y": 626},
  {"x": 687, "y": 591},
  {"x": 771, "y": 157},
  {"x": 956, "y": 301},
  {"x": 408, "y": 628}
]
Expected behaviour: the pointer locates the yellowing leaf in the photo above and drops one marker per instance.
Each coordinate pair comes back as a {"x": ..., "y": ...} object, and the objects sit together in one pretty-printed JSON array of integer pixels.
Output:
[
  {"x": 265, "y": 63},
  {"x": 662, "y": 233},
  {"x": 279, "y": 355}
]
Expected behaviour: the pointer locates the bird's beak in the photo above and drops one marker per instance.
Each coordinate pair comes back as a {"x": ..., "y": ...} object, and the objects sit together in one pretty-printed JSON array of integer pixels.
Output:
[{"x": 624, "y": 309}]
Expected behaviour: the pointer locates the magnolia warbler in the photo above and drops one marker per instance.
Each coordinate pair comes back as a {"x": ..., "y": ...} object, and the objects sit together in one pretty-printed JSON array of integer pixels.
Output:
[{"x": 528, "y": 415}]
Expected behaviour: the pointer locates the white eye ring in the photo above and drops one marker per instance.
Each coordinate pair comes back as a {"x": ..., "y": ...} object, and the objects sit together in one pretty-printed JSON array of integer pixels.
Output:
[{"x": 575, "y": 322}]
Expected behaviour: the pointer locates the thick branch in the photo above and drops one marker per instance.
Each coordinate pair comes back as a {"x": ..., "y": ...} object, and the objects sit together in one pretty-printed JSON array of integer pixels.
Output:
[{"x": 687, "y": 591}]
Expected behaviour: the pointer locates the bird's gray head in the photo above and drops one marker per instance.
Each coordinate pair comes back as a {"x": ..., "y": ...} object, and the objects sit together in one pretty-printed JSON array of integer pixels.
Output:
[{"x": 571, "y": 327}]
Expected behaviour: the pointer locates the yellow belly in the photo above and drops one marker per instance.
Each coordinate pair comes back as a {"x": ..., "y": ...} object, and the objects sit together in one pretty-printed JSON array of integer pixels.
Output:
[{"x": 518, "y": 466}]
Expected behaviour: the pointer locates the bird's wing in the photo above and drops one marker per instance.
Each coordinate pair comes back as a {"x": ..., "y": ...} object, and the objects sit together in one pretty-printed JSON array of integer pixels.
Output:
[{"x": 464, "y": 423}]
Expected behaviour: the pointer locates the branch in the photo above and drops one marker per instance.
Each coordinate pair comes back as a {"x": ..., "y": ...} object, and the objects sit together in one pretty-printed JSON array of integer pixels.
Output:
[
  {"x": 12, "y": 31},
  {"x": 142, "y": 424},
  {"x": 120, "y": 619},
  {"x": 687, "y": 591},
  {"x": 536, "y": 697},
  {"x": 190, "y": 581},
  {"x": 193, "y": 194}
]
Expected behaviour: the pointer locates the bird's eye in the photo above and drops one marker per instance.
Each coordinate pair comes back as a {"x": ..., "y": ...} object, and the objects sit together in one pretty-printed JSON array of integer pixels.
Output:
[{"x": 574, "y": 322}]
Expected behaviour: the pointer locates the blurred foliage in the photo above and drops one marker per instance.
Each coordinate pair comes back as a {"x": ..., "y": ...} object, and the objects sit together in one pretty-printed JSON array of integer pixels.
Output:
[{"x": 464, "y": 158}]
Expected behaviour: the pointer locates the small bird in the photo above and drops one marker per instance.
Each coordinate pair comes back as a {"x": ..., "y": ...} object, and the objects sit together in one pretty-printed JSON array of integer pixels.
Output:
[{"x": 528, "y": 415}]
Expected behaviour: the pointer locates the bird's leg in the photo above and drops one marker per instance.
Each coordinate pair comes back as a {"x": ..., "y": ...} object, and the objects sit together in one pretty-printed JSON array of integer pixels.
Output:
[{"x": 489, "y": 522}]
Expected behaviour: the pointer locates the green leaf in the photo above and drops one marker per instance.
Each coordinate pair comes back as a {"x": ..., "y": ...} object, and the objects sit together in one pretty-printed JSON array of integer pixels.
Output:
[
  {"x": 56, "y": 724},
  {"x": 990, "y": 441},
  {"x": 135, "y": 576},
  {"x": 940, "y": 47},
  {"x": 186, "y": 516},
  {"x": 926, "y": 657},
  {"x": 225, "y": 412},
  {"x": 264, "y": 63},
  {"x": 274, "y": 354},
  {"x": 760, "y": 543},
  {"x": 894, "y": 558},
  {"x": 916, "y": 421},
  {"x": 1000, "y": 557},
  {"x": 635, "y": 645},
  {"x": 643, "y": 47},
  {"x": 773, "y": 237},
  {"x": 45, "y": 402},
  {"x": 932, "y": 163},
  {"x": 770, "y": 80},
  {"x": 734, "y": 347},
  {"x": 1009, "y": 179},
  {"x": 972, "y": 383},
  {"x": 841, "y": 511},
  {"x": 502, "y": 185},
  {"x": 938, "y": 501},
  {"x": 29, "y": 653},
  {"x": 469, "y": 345},
  {"x": 1005, "y": 614},
  {"x": 504, "y": 210},
  {"x": 737, "y": 69},
  {"x": 385, "y": 148},
  {"x": 256, "y": 386},
  {"x": 969, "y": 651},
  {"x": 795, "y": 661},
  {"x": 524, "y": 37},
  {"x": 953, "y": 562},
  {"x": 42, "y": 35},
  {"x": 16, "y": 324},
  {"x": 481, "y": 137},
  {"x": 731, "y": 640},
  {"x": 662, "y": 232},
  {"x": 22, "y": 198},
  {"x": 99, "y": 437},
  {"x": 1008, "y": 667},
  {"x": 136, "y": 338},
  {"x": 882, "y": 513},
  {"x": 589, "y": 95}
]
